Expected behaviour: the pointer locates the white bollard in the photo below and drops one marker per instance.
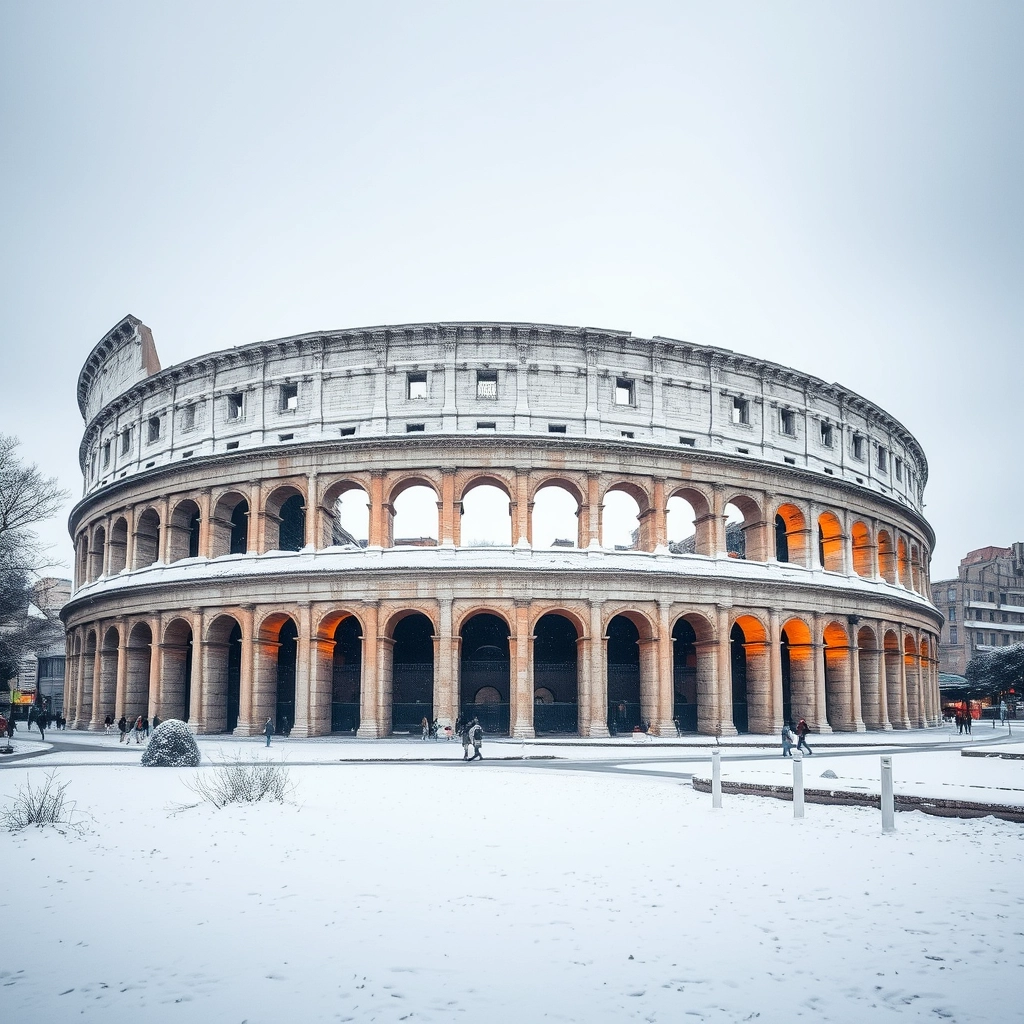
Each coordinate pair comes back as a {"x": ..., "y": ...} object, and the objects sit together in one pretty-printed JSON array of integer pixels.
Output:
[
  {"x": 798, "y": 784},
  {"x": 888, "y": 804},
  {"x": 716, "y": 778}
]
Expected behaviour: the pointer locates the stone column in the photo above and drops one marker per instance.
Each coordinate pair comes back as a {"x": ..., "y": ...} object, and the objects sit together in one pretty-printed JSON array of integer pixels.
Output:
[
  {"x": 254, "y": 539},
  {"x": 163, "y": 542},
  {"x": 820, "y": 723},
  {"x": 247, "y": 675},
  {"x": 775, "y": 668},
  {"x": 649, "y": 682},
  {"x": 520, "y": 509},
  {"x": 321, "y": 678},
  {"x": 129, "y": 544},
  {"x": 122, "y": 669},
  {"x": 726, "y": 724},
  {"x": 665, "y": 682},
  {"x": 445, "y": 698},
  {"x": 379, "y": 535},
  {"x": 79, "y": 721},
  {"x": 96, "y": 716},
  {"x": 369, "y": 699},
  {"x": 883, "y": 681},
  {"x": 197, "y": 698},
  {"x": 904, "y": 687},
  {"x": 598, "y": 674},
  {"x": 717, "y": 536},
  {"x": 584, "y": 685},
  {"x": 660, "y": 522},
  {"x": 856, "y": 713},
  {"x": 156, "y": 681},
  {"x": 521, "y": 683},
  {"x": 591, "y": 514},
  {"x": 303, "y": 676},
  {"x": 759, "y": 687},
  {"x": 448, "y": 515},
  {"x": 385, "y": 683},
  {"x": 708, "y": 701},
  {"x": 206, "y": 523}
]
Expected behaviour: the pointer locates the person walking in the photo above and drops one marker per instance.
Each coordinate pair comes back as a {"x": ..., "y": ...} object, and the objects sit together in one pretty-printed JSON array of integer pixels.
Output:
[
  {"x": 424, "y": 727},
  {"x": 268, "y": 730},
  {"x": 138, "y": 729},
  {"x": 156, "y": 721},
  {"x": 122, "y": 728},
  {"x": 801, "y": 733},
  {"x": 145, "y": 726},
  {"x": 787, "y": 741},
  {"x": 477, "y": 735},
  {"x": 107, "y": 723},
  {"x": 41, "y": 722},
  {"x": 1002, "y": 712},
  {"x": 466, "y": 740},
  {"x": 967, "y": 719}
]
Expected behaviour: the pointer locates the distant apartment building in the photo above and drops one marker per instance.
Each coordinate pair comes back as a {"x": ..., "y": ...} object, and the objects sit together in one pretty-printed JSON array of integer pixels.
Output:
[
  {"x": 983, "y": 606},
  {"x": 40, "y": 676}
]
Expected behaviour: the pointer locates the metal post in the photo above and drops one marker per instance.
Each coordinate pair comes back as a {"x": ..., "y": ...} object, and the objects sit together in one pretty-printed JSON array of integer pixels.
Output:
[
  {"x": 888, "y": 804},
  {"x": 716, "y": 778},
  {"x": 798, "y": 784}
]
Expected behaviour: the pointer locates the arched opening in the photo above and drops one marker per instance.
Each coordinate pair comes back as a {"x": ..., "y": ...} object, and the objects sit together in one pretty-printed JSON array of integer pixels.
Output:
[
  {"x": 97, "y": 553},
  {"x": 751, "y": 684},
  {"x": 88, "y": 668},
  {"x": 292, "y": 528},
  {"x": 412, "y": 673},
  {"x": 147, "y": 538},
  {"x": 863, "y": 550},
  {"x": 903, "y": 563},
  {"x": 621, "y": 520},
  {"x": 183, "y": 540},
  {"x": 486, "y": 517},
  {"x": 109, "y": 655},
  {"x": 230, "y": 526},
  {"x": 838, "y": 696},
  {"x": 830, "y": 542},
  {"x": 484, "y": 672},
  {"x": 912, "y": 668},
  {"x": 222, "y": 675},
  {"x": 743, "y": 529},
  {"x": 915, "y": 569},
  {"x": 886, "y": 557},
  {"x": 624, "y": 698},
  {"x": 176, "y": 674},
  {"x": 414, "y": 521},
  {"x": 867, "y": 668},
  {"x": 555, "y": 692},
  {"x": 350, "y": 526},
  {"x": 118, "y": 545},
  {"x": 681, "y": 526},
  {"x": 555, "y": 520},
  {"x": 797, "y": 650},
  {"x": 347, "y": 670},
  {"x": 790, "y": 535},
  {"x": 894, "y": 680},
  {"x": 684, "y": 675},
  {"x": 136, "y": 693},
  {"x": 82, "y": 561},
  {"x": 286, "y": 657},
  {"x": 923, "y": 676}
]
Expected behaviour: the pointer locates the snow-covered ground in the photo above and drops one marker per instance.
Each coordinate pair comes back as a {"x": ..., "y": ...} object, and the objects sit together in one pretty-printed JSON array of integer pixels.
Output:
[{"x": 500, "y": 892}]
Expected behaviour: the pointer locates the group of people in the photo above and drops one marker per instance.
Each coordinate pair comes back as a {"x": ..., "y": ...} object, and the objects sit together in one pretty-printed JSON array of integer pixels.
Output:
[
  {"x": 433, "y": 730},
  {"x": 40, "y": 719},
  {"x": 139, "y": 728},
  {"x": 963, "y": 721},
  {"x": 472, "y": 735},
  {"x": 789, "y": 740}
]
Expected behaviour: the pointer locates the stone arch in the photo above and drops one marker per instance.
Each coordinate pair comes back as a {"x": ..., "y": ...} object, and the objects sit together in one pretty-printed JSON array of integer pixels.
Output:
[
  {"x": 797, "y": 657},
  {"x": 556, "y": 640},
  {"x": 346, "y": 506},
  {"x": 177, "y": 661},
  {"x": 97, "y": 552},
  {"x": 693, "y": 666},
  {"x": 417, "y": 478},
  {"x": 110, "y": 654},
  {"x": 82, "y": 560},
  {"x": 923, "y": 682},
  {"x": 626, "y": 521},
  {"x": 912, "y": 665},
  {"x": 413, "y": 519},
  {"x": 338, "y": 688},
  {"x": 838, "y": 683},
  {"x": 409, "y": 665},
  {"x": 886, "y": 557},
  {"x": 183, "y": 531},
  {"x": 624, "y": 670},
  {"x": 222, "y": 675},
  {"x": 552, "y": 523},
  {"x": 863, "y": 550},
  {"x": 689, "y": 523},
  {"x": 484, "y": 512},
  {"x": 830, "y": 542},
  {"x": 791, "y": 534},
  {"x": 751, "y": 677},
  {"x": 118, "y": 545},
  {"x": 147, "y": 538},
  {"x": 744, "y": 530},
  {"x": 903, "y": 563},
  {"x": 229, "y": 534},
  {"x": 868, "y": 656},
  {"x": 285, "y": 517},
  {"x": 477, "y": 478},
  {"x": 85, "y": 710},
  {"x": 915, "y": 569},
  {"x": 485, "y": 664},
  {"x": 274, "y": 689},
  {"x": 893, "y": 659}
]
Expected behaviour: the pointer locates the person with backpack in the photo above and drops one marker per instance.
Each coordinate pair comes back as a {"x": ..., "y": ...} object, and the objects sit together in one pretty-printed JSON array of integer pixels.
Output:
[
  {"x": 466, "y": 739},
  {"x": 802, "y": 730},
  {"x": 122, "y": 728},
  {"x": 268, "y": 730},
  {"x": 787, "y": 740},
  {"x": 477, "y": 736}
]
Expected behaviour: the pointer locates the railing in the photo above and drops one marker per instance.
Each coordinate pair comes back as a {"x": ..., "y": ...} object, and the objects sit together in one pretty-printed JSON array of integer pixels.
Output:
[
  {"x": 556, "y": 718},
  {"x": 409, "y": 717},
  {"x": 494, "y": 718}
]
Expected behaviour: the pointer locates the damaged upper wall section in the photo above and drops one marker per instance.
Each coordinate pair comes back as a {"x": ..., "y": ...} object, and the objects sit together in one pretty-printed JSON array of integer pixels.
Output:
[{"x": 125, "y": 355}]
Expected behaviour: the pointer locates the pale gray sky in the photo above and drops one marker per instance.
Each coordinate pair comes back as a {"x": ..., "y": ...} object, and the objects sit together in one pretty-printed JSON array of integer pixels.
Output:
[{"x": 837, "y": 187}]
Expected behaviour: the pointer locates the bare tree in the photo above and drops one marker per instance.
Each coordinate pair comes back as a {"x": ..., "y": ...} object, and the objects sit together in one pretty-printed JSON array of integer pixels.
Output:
[{"x": 27, "y": 498}]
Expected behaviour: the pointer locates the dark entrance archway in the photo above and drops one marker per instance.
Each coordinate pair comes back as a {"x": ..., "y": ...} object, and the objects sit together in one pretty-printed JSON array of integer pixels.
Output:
[
  {"x": 787, "y": 679},
  {"x": 738, "y": 654},
  {"x": 293, "y": 524},
  {"x": 684, "y": 674},
  {"x": 412, "y": 673},
  {"x": 484, "y": 672},
  {"x": 286, "y": 651},
  {"x": 623, "y": 675},
  {"x": 234, "y": 677},
  {"x": 555, "y": 677},
  {"x": 347, "y": 672},
  {"x": 176, "y": 685}
]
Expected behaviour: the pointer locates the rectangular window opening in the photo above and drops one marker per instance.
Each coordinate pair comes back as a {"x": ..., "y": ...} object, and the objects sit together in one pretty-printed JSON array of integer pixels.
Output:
[
  {"x": 236, "y": 403},
  {"x": 486, "y": 425},
  {"x": 787, "y": 421},
  {"x": 789, "y": 460},
  {"x": 289, "y": 397},
  {"x": 627, "y": 433},
  {"x": 740, "y": 410},
  {"x": 106, "y": 454},
  {"x": 487, "y": 384},
  {"x": 232, "y": 445},
  {"x": 347, "y": 431},
  {"x": 188, "y": 417},
  {"x": 285, "y": 437},
  {"x": 126, "y": 441},
  {"x": 187, "y": 455},
  {"x": 415, "y": 428},
  {"x": 826, "y": 435},
  {"x": 154, "y": 429},
  {"x": 625, "y": 391},
  {"x": 857, "y": 447},
  {"x": 743, "y": 451},
  {"x": 953, "y": 639},
  {"x": 556, "y": 428},
  {"x": 417, "y": 387},
  {"x": 829, "y": 471},
  {"x": 899, "y": 468},
  {"x": 690, "y": 442}
]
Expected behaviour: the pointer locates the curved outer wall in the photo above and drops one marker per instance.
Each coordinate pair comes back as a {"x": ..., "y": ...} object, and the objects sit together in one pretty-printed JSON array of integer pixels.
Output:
[{"x": 186, "y": 605}]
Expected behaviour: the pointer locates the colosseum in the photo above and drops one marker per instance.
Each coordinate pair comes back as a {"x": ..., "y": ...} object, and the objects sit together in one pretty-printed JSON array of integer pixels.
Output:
[{"x": 561, "y": 530}]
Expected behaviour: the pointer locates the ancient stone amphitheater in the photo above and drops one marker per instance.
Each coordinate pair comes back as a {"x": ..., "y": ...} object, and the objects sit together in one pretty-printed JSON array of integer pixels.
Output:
[{"x": 617, "y": 532}]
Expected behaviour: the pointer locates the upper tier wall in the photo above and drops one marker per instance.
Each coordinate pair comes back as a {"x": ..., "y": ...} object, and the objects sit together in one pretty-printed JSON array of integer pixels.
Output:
[{"x": 481, "y": 378}]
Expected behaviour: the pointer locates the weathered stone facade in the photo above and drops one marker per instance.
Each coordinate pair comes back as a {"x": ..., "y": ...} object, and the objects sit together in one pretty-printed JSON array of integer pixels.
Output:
[{"x": 196, "y": 478}]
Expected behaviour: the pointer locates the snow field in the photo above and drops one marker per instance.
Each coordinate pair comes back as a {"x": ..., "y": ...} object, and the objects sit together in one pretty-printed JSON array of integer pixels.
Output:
[{"x": 444, "y": 893}]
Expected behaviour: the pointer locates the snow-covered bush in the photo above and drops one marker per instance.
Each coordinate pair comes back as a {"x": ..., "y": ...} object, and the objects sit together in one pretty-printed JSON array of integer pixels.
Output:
[
  {"x": 172, "y": 745},
  {"x": 44, "y": 805},
  {"x": 238, "y": 783}
]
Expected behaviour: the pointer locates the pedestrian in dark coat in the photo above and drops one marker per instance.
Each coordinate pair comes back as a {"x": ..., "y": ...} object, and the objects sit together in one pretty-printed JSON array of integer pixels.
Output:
[
  {"x": 787, "y": 741},
  {"x": 801, "y": 732},
  {"x": 122, "y": 726},
  {"x": 477, "y": 735},
  {"x": 268, "y": 730},
  {"x": 466, "y": 740},
  {"x": 41, "y": 722}
]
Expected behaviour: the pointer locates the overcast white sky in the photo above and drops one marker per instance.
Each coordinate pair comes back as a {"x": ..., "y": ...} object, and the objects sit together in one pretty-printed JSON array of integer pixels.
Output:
[{"x": 837, "y": 187}]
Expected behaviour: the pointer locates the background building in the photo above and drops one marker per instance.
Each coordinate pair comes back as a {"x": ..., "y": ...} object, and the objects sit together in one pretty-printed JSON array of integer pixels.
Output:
[
  {"x": 983, "y": 606},
  {"x": 40, "y": 676}
]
